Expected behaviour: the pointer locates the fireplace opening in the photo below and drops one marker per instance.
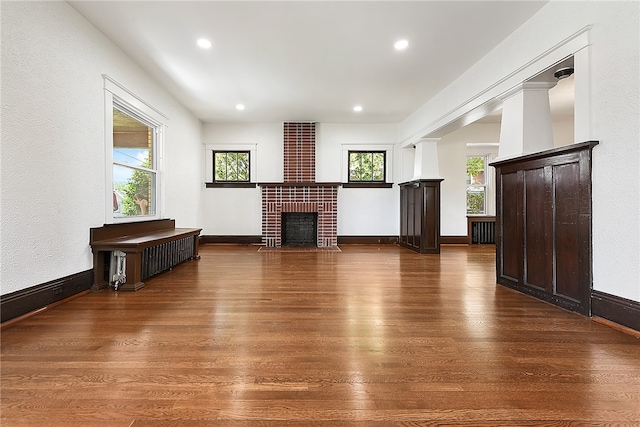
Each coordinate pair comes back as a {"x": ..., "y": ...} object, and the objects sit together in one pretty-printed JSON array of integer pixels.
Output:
[{"x": 299, "y": 229}]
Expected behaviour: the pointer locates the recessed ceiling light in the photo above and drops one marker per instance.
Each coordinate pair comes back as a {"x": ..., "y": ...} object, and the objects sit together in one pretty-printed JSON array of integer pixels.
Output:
[
  {"x": 204, "y": 43},
  {"x": 401, "y": 44},
  {"x": 357, "y": 108},
  {"x": 240, "y": 107}
]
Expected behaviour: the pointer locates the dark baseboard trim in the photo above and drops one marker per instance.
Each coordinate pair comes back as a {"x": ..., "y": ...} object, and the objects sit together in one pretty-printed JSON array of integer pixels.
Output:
[
  {"x": 616, "y": 309},
  {"x": 567, "y": 304},
  {"x": 454, "y": 240},
  {"x": 237, "y": 240},
  {"x": 257, "y": 240},
  {"x": 37, "y": 297},
  {"x": 367, "y": 240},
  {"x": 230, "y": 184},
  {"x": 367, "y": 185}
]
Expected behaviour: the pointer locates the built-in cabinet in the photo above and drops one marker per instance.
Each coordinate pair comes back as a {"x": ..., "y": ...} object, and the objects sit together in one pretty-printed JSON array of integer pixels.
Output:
[
  {"x": 420, "y": 215},
  {"x": 543, "y": 233}
]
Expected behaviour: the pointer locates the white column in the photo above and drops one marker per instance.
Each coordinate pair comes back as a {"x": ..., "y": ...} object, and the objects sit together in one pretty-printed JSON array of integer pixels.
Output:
[
  {"x": 425, "y": 165},
  {"x": 582, "y": 97},
  {"x": 526, "y": 120}
]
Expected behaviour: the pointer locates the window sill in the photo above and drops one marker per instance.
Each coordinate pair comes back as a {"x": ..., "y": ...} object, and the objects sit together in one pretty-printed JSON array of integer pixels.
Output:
[
  {"x": 367, "y": 185},
  {"x": 230, "y": 184}
]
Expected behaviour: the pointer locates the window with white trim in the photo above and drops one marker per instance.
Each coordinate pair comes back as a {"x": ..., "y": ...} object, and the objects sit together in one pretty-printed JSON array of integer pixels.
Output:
[
  {"x": 367, "y": 165},
  {"x": 476, "y": 185},
  {"x": 135, "y": 170},
  {"x": 231, "y": 166},
  {"x": 133, "y": 150}
]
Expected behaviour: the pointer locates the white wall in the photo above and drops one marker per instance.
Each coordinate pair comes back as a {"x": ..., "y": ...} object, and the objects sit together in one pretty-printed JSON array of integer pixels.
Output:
[
  {"x": 563, "y": 133},
  {"x": 238, "y": 211},
  {"x": 230, "y": 211},
  {"x": 615, "y": 119},
  {"x": 53, "y": 136},
  {"x": 361, "y": 211}
]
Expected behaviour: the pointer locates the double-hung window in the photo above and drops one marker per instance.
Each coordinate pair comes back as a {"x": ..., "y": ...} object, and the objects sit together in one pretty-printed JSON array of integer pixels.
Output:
[
  {"x": 135, "y": 173},
  {"x": 476, "y": 185},
  {"x": 133, "y": 151}
]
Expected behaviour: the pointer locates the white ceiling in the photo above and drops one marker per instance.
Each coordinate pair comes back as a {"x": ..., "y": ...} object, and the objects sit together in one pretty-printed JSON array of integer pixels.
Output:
[{"x": 298, "y": 61}]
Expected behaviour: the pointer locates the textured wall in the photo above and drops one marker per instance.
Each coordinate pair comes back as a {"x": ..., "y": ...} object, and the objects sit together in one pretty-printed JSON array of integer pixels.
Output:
[{"x": 53, "y": 152}]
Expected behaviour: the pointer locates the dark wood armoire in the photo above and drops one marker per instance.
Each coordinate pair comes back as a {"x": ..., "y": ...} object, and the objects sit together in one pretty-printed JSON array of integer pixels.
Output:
[
  {"x": 543, "y": 225},
  {"x": 420, "y": 215}
]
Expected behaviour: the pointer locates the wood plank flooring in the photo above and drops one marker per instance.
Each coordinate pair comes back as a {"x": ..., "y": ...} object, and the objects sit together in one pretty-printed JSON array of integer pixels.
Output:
[{"x": 370, "y": 336}]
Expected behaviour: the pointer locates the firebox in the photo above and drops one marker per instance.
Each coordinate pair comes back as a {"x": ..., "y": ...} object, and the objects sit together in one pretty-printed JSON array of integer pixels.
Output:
[{"x": 299, "y": 229}]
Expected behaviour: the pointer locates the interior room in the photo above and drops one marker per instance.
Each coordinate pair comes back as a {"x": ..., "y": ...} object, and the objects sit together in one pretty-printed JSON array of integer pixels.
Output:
[{"x": 320, "y": 213}]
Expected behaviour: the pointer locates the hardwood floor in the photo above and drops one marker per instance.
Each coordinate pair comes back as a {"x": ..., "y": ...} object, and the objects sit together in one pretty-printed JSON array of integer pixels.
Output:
[{"x": 370, "y": 336}]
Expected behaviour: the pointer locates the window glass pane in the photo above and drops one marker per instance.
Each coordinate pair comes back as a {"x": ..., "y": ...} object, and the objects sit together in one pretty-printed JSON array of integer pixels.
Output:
[
  {"x": 243, "y": 166},
  {"x": 475, "y": 200},
  {"x": 355, "y": 170},
  {"x": 231, "y": 166},
  {"x": 378, "y": 166},
  {"x": 132, "y": 141},
  {"x": 366, "y": 166},
  {"x": 133, "y": 191},
  {"x": 475, "y": 170},
  {"x": 220, "y": 166}
]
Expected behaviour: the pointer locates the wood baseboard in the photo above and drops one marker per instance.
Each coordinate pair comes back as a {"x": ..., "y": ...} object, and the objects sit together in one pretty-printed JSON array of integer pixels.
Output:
[
  {"x": 454, "y": 240},
  {"x": 367, "y": 240},
  {"x": 237, "y": 240},
  {"x": 25, "y": 301},
  {"x": 616, "y": 309},
  {"x": 257, "y": 240}
]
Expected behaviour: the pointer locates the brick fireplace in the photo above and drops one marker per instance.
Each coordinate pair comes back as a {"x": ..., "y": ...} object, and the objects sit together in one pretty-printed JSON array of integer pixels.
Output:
[{"x": 299, "y": 192}]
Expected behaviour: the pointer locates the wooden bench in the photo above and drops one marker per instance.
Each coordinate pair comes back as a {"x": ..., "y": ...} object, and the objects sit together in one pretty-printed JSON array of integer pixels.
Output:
[{"x": 150, "y": 247}]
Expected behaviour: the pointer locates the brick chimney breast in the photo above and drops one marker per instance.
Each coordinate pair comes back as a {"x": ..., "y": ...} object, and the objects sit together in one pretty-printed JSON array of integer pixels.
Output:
[
  {"x": 299, "y": 152},
  {"x": 299, "y": 192}
]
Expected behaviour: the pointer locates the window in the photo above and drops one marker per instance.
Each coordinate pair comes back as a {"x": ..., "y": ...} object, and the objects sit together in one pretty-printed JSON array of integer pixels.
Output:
[
  {"x": 134, "y": 165},
  {"x": 231, "y": 166},
  {"x": 367, "y": 166},
  {"x": 476, "y": 185},
  {"x": 134, "y": 132}
]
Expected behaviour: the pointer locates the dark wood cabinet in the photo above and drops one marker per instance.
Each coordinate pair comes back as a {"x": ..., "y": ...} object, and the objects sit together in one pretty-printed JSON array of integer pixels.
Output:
[
  {"x": 420, "y": 215},
  {"x": 543, "y": 225}
]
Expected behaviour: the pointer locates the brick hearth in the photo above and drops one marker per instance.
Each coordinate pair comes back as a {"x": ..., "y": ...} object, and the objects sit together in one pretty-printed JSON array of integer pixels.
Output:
[{"x": 320, "y": 198}]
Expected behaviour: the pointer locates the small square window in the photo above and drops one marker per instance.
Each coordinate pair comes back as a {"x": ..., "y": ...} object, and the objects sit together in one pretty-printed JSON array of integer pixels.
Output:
[
  {"x": 231, "y": 166},
  {"x": 367, "y": 166}
]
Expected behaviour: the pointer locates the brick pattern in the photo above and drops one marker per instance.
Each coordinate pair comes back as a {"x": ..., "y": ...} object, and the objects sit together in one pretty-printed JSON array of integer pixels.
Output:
[
  {"x": 299, "y": 152},
  {"x": 323, "y": 200}
]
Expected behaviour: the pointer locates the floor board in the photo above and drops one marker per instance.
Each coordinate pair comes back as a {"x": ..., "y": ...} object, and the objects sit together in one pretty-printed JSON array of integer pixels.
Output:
[{"x": 369, "y": 336}]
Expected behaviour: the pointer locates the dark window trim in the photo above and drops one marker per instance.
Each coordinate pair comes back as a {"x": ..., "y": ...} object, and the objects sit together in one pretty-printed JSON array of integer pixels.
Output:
[
  {"x": 234, "y": 183},
  {"x": 230, "y": 184},
  {"x": 368, "y": 183}
]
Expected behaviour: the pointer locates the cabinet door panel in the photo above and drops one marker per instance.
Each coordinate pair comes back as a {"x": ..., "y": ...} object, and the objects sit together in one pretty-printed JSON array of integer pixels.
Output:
[
  {"x": 430, "y": 221},
  {"x": 417, "y": 217},
  {"x": 566, "y": 230},
  {"x": 511, "y": 249},
  {"x": 403, "y": 215},
  {"x": 534, "y": 232}
]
